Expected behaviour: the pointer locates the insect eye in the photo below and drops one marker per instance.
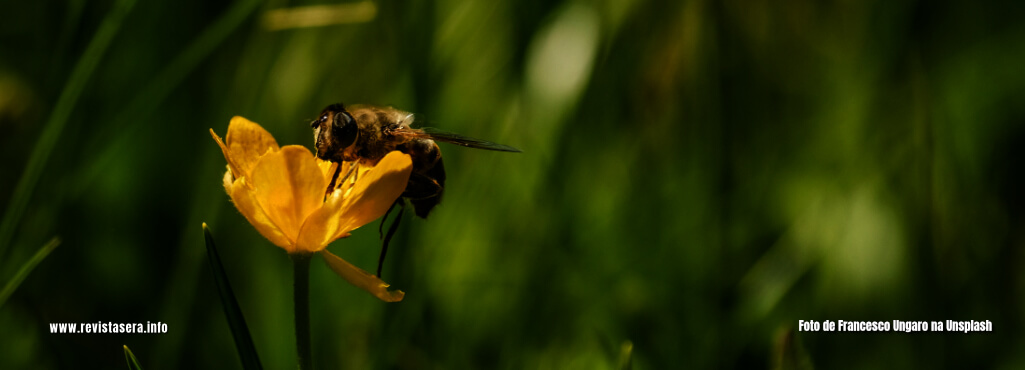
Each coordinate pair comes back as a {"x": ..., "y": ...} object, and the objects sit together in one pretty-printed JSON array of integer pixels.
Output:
[{"x": 344, "y": 129}]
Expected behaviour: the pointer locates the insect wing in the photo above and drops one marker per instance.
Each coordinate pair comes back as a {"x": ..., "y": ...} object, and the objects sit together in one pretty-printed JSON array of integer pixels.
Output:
[{"x": 457, "y": 139}]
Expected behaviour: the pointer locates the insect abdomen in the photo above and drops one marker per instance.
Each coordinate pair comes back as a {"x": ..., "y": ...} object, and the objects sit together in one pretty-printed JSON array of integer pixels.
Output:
[{"x": 427, "y": 182}]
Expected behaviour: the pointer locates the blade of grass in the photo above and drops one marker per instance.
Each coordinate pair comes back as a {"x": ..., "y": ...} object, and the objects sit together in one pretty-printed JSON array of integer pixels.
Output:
[
  {"x": 26, "y": 268},
  {"x": 237, "y": 322},
  {"x": 626, "y": 355},
  {"x": 133, "y": 363},
  {"x": 58, "y": 118},
  {"x": 116, "y": 136},
  {"x": 789, "y": 353}
]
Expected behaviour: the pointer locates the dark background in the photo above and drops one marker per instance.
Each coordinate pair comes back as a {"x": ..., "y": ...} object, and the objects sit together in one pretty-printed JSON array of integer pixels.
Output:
[{"x": 697, "y": 176}]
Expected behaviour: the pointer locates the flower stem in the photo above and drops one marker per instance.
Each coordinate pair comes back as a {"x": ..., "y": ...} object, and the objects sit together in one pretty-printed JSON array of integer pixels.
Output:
[{"x": 301, "y": 264}]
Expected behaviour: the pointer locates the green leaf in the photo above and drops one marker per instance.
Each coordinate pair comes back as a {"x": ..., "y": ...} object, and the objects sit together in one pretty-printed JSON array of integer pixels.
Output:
[
  {"x": 237, "y": 322},
  {"x": 133, "y": 363},
  {"x": 26, "y": 268}
]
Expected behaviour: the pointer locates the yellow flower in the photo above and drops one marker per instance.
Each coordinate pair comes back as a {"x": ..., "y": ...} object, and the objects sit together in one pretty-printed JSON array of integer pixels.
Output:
[{"x": 281, "y": 191}]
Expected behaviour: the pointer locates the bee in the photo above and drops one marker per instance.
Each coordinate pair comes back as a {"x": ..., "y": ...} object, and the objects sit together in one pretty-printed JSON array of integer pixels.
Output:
[{"x": 364, "y": 134}]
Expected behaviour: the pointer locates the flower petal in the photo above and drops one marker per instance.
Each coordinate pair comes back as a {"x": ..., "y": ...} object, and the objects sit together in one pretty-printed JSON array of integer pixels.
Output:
[
  {"x": 361, "y": 279},
  {"x": 247, "y": 141},
  {"x": 375, "y": 191},
  {"x": 289, "y": 186},
  {"x": 328, "y": 168},
  {"x": 348, "y": 208},
  {"x": 228, "y": 180},
  {"x": 241, "y": 194},
  {"x": 233, "y": 167},
  {"x": 322, "y": 226}
]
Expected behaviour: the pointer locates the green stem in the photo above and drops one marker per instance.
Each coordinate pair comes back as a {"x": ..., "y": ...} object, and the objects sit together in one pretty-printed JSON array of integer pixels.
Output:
[{"x": 301, "y": 264}]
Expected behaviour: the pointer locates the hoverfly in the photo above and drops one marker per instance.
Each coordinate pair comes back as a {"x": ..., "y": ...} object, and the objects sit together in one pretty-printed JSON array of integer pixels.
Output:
[{"x": 366, "y": 133}]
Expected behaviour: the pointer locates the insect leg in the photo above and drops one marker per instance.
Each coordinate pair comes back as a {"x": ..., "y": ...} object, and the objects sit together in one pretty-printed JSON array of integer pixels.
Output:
[
  {"x": 380, "y": 228},
  {"x": 331, "y": 185},
  {"x": 391, "y": 232},
  {"x": 352, "y": 169},
  {"x": 353, "y": 172},
  {"x": 334, "y": 179}
]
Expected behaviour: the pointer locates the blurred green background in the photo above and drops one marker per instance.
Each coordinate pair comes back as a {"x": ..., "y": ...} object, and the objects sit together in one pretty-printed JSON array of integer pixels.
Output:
[{"x": 697, "y": 176}]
